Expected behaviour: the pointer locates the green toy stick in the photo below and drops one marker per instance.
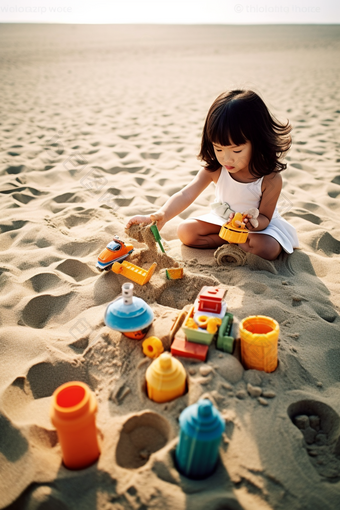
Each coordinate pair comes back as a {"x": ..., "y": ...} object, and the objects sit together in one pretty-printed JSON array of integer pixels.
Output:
[{"x": 157, "y": 236}]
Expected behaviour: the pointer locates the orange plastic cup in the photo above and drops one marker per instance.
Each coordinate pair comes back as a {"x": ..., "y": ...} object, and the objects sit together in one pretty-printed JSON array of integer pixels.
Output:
[
  {"x": 72, "y": 413},
  {"x": 259, "y": 337}
]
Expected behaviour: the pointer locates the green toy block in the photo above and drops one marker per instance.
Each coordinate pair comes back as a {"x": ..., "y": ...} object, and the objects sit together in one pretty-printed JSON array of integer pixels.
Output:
[
  {"x": 225, "y": 342},
  {"x": 198, "y": 336}
]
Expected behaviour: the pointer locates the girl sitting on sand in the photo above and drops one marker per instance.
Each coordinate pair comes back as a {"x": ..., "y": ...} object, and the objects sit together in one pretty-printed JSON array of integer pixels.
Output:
[{"x": 242, "y": 144}]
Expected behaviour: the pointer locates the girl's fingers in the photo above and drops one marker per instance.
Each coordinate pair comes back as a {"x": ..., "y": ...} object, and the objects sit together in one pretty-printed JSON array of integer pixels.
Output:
[
  {"x": 231, "y": 215},
  {"x": 247, "y": 222},
  {"x": 157, "y": 216},
  {"x": 137, "y": 220}
]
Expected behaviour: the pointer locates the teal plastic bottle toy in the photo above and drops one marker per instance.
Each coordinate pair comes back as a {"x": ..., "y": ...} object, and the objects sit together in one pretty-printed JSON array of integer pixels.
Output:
[{"x": 201, "y": 428}]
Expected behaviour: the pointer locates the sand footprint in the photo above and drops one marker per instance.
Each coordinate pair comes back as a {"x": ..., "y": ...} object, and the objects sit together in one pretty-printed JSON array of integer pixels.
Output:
[
  {"x": 54, "y": 375},
  {"x": 308, "y": 216},
  {"x": 141, "y": 436},
  {"x": 66, "y": 197},
  {"x": 20, "y": 400},
  {"x": 13, "y": 445},
  {"x": 76, "y": 269},
  {"x": 320, "y": 427},
  {"x": 44, "y": 281},
  {"x": 77, "y": 216},
  {"x": 39, "y": 310},
  {"x": 326, "y": 243},
  {"x": 42, "y": 497},
  {"x": 15, "y": 169},
  {"x": 150, "y": 155},
  {"x": 7, "y": 226},
  {"x": 257, "y": 287}
]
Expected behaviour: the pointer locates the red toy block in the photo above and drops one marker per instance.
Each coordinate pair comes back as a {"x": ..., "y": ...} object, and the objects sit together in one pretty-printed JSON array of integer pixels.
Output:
[
  {"x": 187, "y": 349},
  {"x": 210, "y": 299}
]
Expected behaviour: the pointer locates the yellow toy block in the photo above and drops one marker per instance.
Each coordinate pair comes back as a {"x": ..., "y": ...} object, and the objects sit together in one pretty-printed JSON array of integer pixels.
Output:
[
  {"x": 174, "y": 273},
  {"x": 134, "y": 273}
]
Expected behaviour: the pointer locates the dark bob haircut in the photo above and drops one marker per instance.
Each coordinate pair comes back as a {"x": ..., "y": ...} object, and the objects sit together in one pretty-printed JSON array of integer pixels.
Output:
[{"x": 237, "y": 117}]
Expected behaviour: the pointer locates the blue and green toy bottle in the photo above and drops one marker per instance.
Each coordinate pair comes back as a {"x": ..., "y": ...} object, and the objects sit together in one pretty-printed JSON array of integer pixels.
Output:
[{"x": 201, "y": 428}]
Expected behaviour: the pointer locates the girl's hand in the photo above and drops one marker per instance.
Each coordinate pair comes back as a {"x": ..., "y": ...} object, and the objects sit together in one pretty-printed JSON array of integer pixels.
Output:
[
  {"x": 146, "y": 220},
  {"x": 231, "y": 215},
  {"x": 250, "y": 219},
  {"x": 247, "y": 221},
  {"x": 136, "y": 220},
  {"x": 159, "y": 219}
]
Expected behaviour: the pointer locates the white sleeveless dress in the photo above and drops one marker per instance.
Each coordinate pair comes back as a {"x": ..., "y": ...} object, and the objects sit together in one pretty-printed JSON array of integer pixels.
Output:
[{"x": 242, "y": 196}]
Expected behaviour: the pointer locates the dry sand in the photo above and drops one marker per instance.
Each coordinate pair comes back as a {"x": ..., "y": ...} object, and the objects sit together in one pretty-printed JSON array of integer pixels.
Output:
[{"x": 99, "y": 123}]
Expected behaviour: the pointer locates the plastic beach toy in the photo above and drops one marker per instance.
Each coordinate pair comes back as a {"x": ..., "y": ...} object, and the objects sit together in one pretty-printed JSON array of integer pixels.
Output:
[
  {"x": 115, "y": 251},
  {"x": 165, "y": 378},
  {"x": 201, "y": 428},
  {"x": 259, "y": 337},
  {"x": 227, "y": 334},
  {"x": 152, "y": 347},
  {"x": 128, "y": 314},
  {"x": 174, "y": 273},
  {"x": 235, "y": 231},
  {"x": 199, "y": 325},
  {"x": 135, "y": 273},
  {"x": 157, "y": 236},
  {"x": 210, "y": 300},
  {"x": 185, "y": 349},
  {"x": 72, "y": 413}
]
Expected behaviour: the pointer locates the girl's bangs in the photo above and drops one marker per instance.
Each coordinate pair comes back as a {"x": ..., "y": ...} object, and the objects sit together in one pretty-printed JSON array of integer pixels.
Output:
[{"x": 225, "y": 128}]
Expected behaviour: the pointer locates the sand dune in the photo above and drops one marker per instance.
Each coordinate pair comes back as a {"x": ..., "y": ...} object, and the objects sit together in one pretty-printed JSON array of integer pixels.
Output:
[{"x": 103, "y": 122}]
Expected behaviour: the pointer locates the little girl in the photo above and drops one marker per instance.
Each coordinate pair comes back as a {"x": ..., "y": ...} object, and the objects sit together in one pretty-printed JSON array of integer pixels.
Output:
[{"x": 242, "y": 144}]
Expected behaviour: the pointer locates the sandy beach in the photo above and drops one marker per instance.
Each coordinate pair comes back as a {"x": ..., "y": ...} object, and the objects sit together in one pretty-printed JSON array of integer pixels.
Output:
[{"x": 99, "y": 123}]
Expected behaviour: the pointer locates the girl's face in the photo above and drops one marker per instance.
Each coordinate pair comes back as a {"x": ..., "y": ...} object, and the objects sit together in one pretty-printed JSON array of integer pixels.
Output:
[{"x": 235, "y": 158}]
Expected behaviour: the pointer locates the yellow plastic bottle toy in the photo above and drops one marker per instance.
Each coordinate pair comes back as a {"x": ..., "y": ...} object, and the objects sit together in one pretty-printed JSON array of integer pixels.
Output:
[
  {"x": 259, "y": 337},
  {"x": 235, "y": 231},
  {"x": 165, "y": 378},
  {"x": 72, "y": 413}
]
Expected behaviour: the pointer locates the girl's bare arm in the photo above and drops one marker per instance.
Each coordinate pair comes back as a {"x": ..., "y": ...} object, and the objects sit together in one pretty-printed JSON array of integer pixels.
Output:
[
  {"x": 271, "y": 189},
  {"x": 178, "y": 202}
]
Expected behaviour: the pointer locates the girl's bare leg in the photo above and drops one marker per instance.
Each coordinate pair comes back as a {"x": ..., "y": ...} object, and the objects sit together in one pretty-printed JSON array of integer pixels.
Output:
[
  {"x": 262, "y": 245},
  {"x": 199, "y": 234}
]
